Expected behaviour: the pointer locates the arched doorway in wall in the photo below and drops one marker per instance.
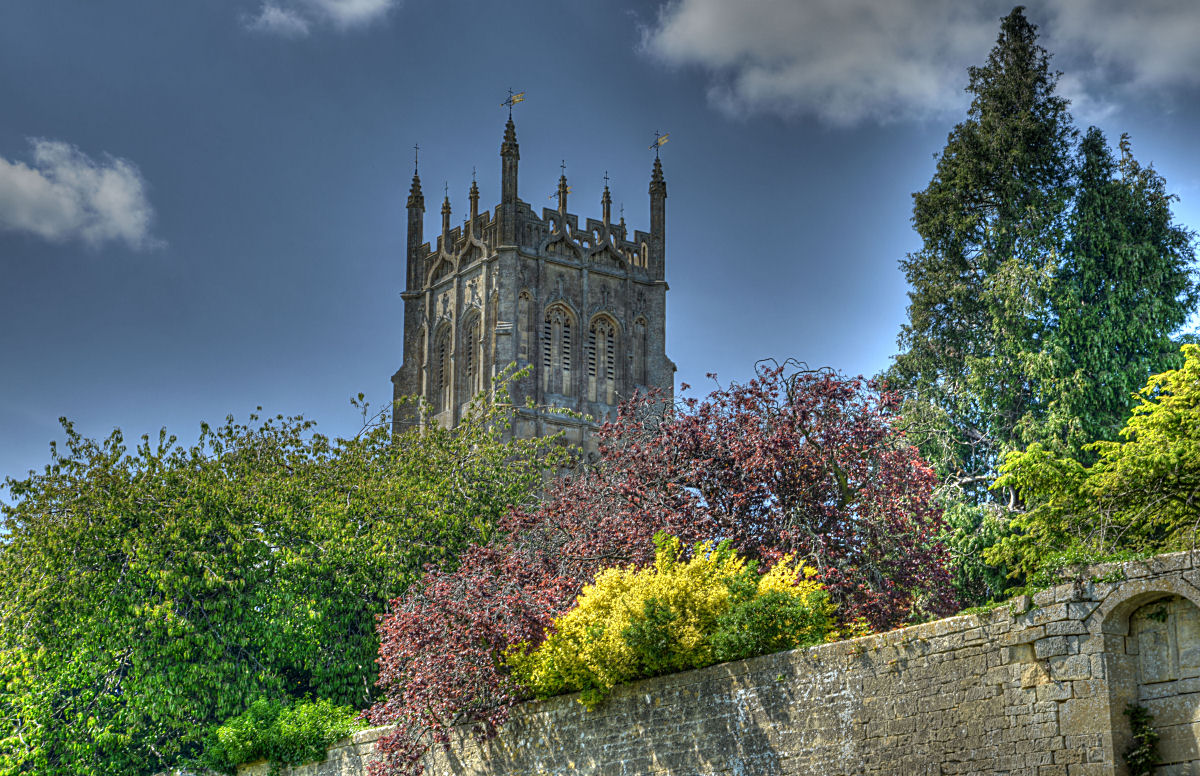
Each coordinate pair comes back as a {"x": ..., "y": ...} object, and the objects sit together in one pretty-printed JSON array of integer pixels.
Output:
[{"x": 1164, "y": 644}]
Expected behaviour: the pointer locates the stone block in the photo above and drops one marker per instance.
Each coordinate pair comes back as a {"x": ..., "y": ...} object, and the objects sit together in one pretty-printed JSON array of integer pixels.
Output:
[
  {"x": 1081, "y": 716},
  {"x": 1050, "y": 646},
  {"x": 1070, "y": 627},
  {"x": 1054, "y": 691}
]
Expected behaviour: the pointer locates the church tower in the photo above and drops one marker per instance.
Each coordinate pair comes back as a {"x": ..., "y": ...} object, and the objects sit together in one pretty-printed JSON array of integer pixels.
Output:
[{"x": 584, "y": 307}]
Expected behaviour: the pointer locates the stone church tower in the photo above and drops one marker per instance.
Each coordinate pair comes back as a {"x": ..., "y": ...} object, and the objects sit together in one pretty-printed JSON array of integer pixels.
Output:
[{"x": 584, "y": 307}]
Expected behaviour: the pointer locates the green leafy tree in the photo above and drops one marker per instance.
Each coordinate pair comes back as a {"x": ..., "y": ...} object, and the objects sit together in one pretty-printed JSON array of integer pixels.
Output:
[
  {"x": 1141, "y": 495},
  {"x": 1124, "y": 287},
  {"x": 148, "y": 594},
  {"x": 991, "y": 222}
]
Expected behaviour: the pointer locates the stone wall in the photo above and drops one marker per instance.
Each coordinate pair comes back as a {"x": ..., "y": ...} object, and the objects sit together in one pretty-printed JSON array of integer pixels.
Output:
[{"x": 1037, "y": 686}]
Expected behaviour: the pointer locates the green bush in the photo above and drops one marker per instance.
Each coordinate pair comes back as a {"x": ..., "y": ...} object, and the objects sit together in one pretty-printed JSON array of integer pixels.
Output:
[
  {"x": 674, "y": 616},
  {"x": 285, "y": 735},
  {"x": 771, "y": 622}
]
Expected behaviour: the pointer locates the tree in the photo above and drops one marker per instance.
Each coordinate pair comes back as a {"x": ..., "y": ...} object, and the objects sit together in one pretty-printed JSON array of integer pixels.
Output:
[
  {"x": 1141, "y": 495},
  {"x": 1124, "y": 287},
  {"x": 146, "y": 595},
  {"x": 1047, "y": 289},
  {"x": 991, "y": 221},
  {"x": 809, "y": 464}
]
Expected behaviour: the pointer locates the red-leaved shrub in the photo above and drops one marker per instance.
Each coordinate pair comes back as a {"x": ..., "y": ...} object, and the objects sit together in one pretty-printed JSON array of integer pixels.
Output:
[{"x": 805, "y": 462}]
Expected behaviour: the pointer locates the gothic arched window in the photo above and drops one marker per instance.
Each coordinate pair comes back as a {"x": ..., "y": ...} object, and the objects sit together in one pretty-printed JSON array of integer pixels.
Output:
[
  {"x": 602, "y": 360},
  {"x": 472, "y": 344},
  {"x": 556, "y": 350},
  {"x": 442, "y": 374}
]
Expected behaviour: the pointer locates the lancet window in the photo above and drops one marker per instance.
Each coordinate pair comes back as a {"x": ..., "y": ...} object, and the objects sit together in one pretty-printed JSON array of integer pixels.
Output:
[
  {"x": 472, "y": 345},
  {"x": 602, "y": 360},
  {"x": 556, "y": 350},
  {"x": 442, "y": 374}
]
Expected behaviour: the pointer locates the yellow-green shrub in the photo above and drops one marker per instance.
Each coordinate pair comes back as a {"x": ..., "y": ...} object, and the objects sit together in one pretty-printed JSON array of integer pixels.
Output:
[{"x": 673, "y": 616}]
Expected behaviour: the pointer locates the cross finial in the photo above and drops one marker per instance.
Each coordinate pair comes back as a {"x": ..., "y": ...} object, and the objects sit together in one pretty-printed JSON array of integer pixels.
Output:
[
  {"x": 606, "y": 179},
  {"x": 416, "y": 156}
]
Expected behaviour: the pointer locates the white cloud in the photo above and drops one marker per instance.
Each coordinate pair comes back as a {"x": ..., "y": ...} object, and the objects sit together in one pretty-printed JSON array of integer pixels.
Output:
[
  {"x": 1123, "y": 51},
  {"x": 850, "y": 61},
  {"x": 66, "y": 195},
  {"x": 296, "y": 18},
  {"x": 273, "y": 20}
]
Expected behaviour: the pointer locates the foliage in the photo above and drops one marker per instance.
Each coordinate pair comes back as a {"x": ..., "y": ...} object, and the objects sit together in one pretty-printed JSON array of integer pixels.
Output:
[
  {"x": 971, "y": 530},
  {"x": 991, "y": 222},
  {"x": 1123, "y": 285},
  {"x": 632, "y": 623},
  {"x": 282, "y": 734},
  {"x": 1142, "y": 754},
  {"x": 805, "y": 463},
  {"x": 147, "y": 594},
  {"x": 1049, "y": 282},
  {"x": 1141, "y": 495}
]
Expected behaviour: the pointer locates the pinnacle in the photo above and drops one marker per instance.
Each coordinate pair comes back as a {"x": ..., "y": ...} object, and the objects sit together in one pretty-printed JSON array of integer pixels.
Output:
[{"x": 510, "y": 134}]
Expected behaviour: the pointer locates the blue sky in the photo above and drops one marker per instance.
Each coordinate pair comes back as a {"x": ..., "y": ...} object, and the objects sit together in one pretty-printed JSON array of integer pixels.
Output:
[{"x": 202, "y": 203}]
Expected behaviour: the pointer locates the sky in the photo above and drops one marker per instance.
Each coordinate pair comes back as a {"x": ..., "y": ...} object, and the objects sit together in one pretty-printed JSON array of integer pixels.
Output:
[{"x": 202, "y": 202}]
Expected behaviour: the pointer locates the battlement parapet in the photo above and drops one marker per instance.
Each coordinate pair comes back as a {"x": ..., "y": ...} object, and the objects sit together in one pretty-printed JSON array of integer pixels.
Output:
[{"x": 559, "y": 232}]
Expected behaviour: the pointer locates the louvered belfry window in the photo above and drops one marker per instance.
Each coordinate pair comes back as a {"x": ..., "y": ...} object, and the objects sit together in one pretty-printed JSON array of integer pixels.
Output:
[
  {"x": 602, "y": 360},
  {"x": 556, "y": 350},
  {"x": 442, "y": 372},
  {"x": 472, "y": 353}
]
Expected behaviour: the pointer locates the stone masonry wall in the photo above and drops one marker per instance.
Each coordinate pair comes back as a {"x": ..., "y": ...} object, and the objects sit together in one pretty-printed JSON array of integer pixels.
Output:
[{"x": 1037, "y": 686}]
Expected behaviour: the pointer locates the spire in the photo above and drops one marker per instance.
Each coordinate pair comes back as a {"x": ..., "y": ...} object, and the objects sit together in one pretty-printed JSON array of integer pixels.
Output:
[
  {"x": 606, "y": 202},
  {"x": 657, "y": 183},
  {"x": 474, "y": 197},
  {"x": 415, "y": 198},
  {"x": 446, "y": 220},
  {"x": 510, "y": 154},
  {"x": 658, "y": 220},
  {"x": 509, "y": 146},
  {"x": 416, "y": 225},
  {"x": 563, "y": 188}
]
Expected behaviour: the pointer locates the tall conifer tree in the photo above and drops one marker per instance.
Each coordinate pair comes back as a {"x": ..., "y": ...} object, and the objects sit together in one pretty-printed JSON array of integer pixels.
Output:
[
  {"x": 991, "y": 221},
  {"x": 1125, "y": 285}
]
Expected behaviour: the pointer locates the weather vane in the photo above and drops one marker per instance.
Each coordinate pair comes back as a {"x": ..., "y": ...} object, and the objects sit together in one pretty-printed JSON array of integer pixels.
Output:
[
  {"x": 606, "y": 179},
  {"x": 658, "y": 141},
  {"x": 512, "y": 100},
  {"x": 416, "y": 156}
]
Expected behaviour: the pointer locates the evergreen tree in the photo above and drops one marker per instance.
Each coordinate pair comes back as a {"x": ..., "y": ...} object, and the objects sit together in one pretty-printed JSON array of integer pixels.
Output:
[
  {"x": 1124, "y": 287},
  {"x": 992, "y": 222}
]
